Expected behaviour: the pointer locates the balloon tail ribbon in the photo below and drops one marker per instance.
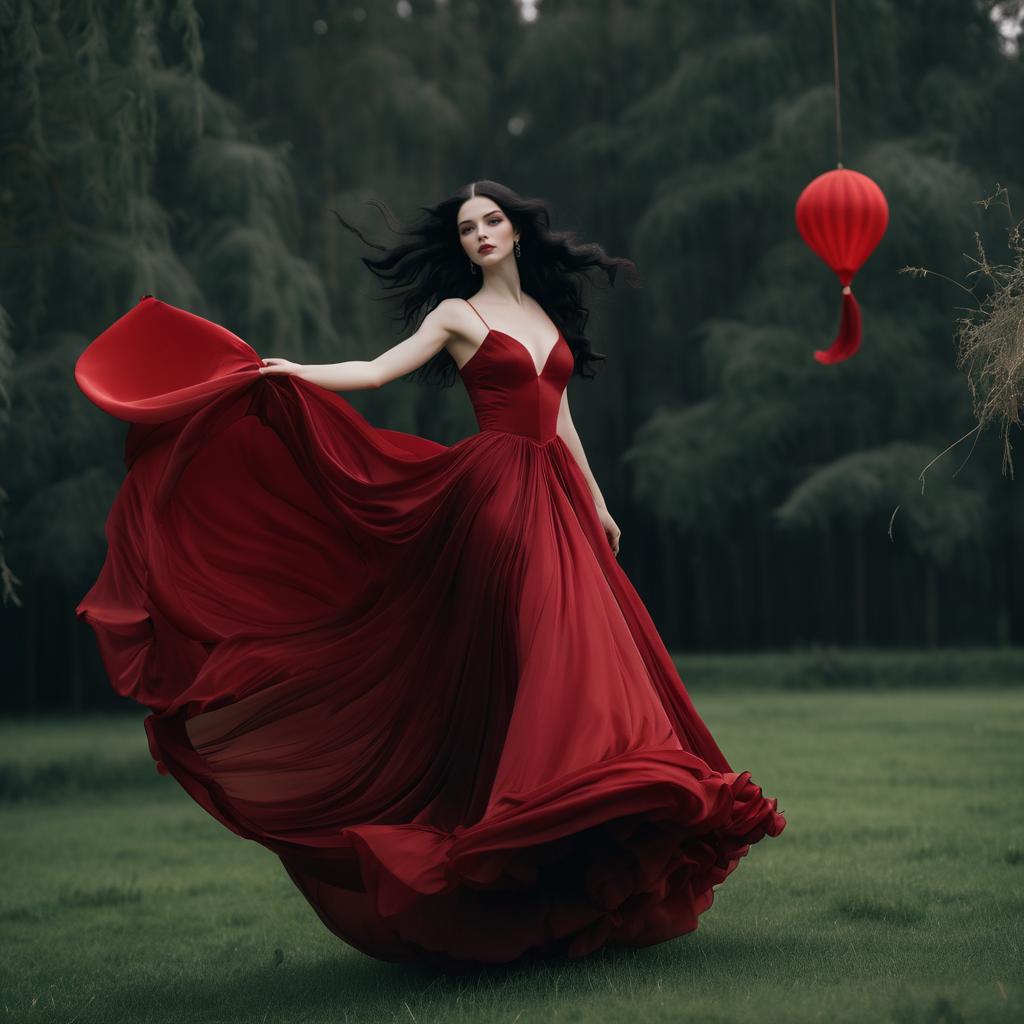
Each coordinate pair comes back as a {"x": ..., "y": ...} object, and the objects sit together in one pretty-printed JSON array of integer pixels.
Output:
[{"x": 848, "y": 339}]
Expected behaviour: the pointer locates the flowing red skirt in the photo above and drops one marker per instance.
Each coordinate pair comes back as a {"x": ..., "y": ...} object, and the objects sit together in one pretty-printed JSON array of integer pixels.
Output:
[{"x": 415, "y": 672}]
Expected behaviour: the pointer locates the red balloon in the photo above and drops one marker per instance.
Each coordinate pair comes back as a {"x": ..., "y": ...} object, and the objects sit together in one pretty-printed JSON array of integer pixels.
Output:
[{"x": 842, "y": 215}]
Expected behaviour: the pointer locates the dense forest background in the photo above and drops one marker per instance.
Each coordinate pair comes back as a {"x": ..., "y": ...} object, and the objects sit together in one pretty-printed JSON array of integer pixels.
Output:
[{"x": 193, "y": 150}]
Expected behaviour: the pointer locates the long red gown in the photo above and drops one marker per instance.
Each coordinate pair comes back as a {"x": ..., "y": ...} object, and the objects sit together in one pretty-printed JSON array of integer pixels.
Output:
[{"x": 415, "y": 672}]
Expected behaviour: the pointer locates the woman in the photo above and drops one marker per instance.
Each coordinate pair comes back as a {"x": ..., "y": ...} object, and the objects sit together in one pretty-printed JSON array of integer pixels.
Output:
[{"x": 415, "y": 672}]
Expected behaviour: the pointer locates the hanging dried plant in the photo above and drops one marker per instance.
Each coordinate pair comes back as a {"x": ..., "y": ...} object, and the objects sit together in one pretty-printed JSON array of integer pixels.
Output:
[{"x": 990, "y": 339}]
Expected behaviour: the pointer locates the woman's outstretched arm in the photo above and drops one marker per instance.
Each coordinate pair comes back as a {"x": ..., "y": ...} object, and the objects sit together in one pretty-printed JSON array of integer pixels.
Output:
[{"x": 361, "y": 374}]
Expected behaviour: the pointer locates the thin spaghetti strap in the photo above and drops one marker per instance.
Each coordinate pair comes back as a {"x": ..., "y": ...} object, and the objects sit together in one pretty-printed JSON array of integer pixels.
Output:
[{"x": 477, "y": 311}]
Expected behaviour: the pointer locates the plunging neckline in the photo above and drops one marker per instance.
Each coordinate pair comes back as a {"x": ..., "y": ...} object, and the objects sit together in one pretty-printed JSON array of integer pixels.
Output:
[{"x": 529, "y": 355}]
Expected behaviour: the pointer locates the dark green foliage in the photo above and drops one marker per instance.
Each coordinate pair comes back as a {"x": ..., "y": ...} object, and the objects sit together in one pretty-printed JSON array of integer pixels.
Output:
[{"x": 194, "y": 150}]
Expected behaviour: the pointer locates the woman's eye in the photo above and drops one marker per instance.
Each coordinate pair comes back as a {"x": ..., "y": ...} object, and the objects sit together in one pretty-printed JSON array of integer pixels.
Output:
[{"x": 492, "y": 222}]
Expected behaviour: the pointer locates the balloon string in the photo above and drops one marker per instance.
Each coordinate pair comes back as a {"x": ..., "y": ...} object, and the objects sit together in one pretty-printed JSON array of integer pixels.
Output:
[{"x": 835, "y": 69}]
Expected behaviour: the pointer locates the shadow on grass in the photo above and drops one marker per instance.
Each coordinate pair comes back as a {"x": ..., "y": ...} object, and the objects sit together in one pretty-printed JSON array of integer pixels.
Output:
[{"x": 356, "y": 987}]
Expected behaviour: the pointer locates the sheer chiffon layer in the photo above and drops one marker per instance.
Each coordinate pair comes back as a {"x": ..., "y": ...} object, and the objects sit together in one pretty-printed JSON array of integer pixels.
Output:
[{"x": 415, "y": 672}]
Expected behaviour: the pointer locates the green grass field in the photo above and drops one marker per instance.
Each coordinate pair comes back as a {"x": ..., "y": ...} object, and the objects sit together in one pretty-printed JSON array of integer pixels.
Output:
[{"x": 895, "y": 893}]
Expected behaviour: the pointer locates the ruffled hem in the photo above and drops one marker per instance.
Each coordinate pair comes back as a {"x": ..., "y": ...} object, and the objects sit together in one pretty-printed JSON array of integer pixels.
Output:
[{"x": 626, "y": 851}]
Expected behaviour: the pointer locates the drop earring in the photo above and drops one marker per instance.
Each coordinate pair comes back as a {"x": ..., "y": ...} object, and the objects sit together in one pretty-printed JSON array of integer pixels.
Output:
[
  {"x": 473, "y": 268},
  {"x": 519, "y": 252}
]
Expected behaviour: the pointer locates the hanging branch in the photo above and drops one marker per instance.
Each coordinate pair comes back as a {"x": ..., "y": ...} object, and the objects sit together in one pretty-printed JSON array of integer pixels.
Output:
[{"x": 990, "y": 339}]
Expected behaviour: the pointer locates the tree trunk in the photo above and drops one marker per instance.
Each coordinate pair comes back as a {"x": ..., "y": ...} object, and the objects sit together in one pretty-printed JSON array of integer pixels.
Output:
[
  {"x": 621, "y": 361},
  {"x": 1008, "y": 559},
  {"x": 701, "y": 603},
  {"x": 931, "y": 605},
  {"x": 828, "y": 612},
  {"x": 667, "y": 558},
  {"x": 741, "y": 630},
  {"x": 74, "y": 662},
  {"x": 858, "y": 585},
  {"x": 767, "y": 595},
  {"x": 1001, "y": 588},
  {"x": 327, "y": 55},
  {"x": 900, "y": 633},
  {"x": 31, "y": 662}
]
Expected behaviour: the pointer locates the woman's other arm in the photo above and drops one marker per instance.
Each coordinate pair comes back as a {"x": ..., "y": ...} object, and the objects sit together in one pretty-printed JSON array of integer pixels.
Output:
[{"x": 566, "y": 430}]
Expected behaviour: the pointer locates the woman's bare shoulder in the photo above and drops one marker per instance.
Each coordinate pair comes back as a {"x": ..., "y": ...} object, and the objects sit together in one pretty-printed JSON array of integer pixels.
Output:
[{"x": 455, "y": 317}]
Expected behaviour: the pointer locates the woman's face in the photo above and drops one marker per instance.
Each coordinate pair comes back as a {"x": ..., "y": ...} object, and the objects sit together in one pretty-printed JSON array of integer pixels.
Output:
[{"x": 482, "y": 223}]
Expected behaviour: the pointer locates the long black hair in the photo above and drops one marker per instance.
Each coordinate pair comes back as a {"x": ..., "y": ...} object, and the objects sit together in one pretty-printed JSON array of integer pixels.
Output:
[{"x": 433, "y": 266}]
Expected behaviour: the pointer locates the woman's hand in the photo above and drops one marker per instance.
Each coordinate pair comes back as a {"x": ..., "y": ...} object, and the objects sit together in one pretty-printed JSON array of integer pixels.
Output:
[
  {"x": 611, "y": 528},
  {"x": 279, "y": 366}
]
